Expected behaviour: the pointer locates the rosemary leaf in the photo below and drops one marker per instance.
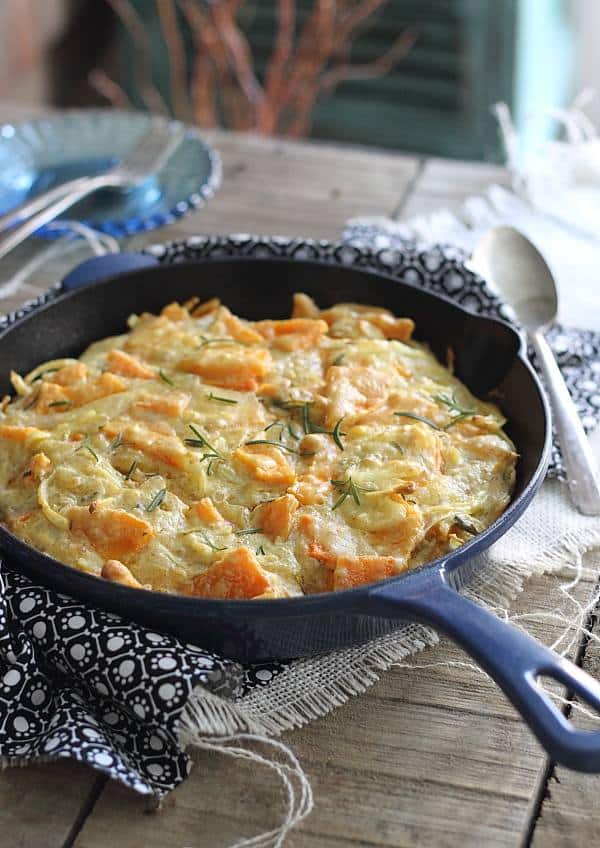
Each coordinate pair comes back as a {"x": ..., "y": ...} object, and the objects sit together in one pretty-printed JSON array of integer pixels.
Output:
[
  {"x": 420, "y": 418},
  {"x": 59, "y": 403},
  {"x": 210, "y": 544},
  {"x": 336, "y": 434},
  {"x": 156, "y": 500},
  {"x": 118, "y": 441},
  {"x": 131, "y": 469},
  {"x": 278, "y": 445},
  {"x": 248, "y": 532},
  {"x": 203, "y": 441},
  {"x": 164, "y": 378},
  {"x": 260, "y": 550},
  {"x": 91, "y": 450},
  {"x": 212, "y": 396}
]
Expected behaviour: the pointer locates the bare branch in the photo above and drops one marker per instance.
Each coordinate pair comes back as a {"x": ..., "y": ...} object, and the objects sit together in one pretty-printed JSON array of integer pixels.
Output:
[
  {"x": 370, "y": 70},
  {"x": 177, "y": 61},
  {"x": 143, "y": 67},
  {"x": 109, "y": 89}
]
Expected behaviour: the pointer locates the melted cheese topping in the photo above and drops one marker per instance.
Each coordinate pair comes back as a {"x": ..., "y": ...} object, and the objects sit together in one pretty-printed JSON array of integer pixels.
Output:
[{"x": 207, "y": 455}]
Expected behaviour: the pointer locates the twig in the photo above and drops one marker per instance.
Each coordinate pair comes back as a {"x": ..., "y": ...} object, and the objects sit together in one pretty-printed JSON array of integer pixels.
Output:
[{"x": 177, "y": 62}]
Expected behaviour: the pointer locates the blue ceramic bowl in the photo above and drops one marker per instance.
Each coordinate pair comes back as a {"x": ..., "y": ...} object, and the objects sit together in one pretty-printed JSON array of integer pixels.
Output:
[{"x": 40, "y": 154}]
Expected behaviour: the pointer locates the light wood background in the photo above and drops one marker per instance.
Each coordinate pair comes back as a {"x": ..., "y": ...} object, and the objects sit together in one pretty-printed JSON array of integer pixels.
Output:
[{"x": 427, "y": 757}]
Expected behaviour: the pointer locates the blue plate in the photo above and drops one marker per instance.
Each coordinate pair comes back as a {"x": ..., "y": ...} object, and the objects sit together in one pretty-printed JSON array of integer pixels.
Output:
[{"x": 37, "y": 155}]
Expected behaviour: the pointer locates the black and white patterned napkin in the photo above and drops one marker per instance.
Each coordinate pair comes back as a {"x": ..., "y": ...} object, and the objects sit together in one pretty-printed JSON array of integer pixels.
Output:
[{"x": 85, "y": 684}]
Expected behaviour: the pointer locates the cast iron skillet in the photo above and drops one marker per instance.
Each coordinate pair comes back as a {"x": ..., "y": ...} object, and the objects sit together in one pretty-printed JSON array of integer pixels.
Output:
[{"x": 488, "y": 356}]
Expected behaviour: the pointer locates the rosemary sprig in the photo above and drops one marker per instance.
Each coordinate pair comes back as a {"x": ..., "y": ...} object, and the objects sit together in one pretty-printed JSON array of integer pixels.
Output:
[
  {"x": 164, "y": 378},
  {"x": 292, "y": 432},
  {"x": 117, "y": 442},
  {"x": 89, "y": 449},
  {"x": 250, "y": 532},
  {"x": 336, "y": 433},
  {"x": 201, "y": 441},
  {"x": 453, "y": 406},
  {"x": 212, "y": 545},
  {"x": 156, "y": 500},
  {"x": 279, "y": 445},
  {"x": 131, "y": 469},
  {"x": 212, "y": 396},
  {"x": 349, "y": 489},
  {"x": 420, "y": 418}
]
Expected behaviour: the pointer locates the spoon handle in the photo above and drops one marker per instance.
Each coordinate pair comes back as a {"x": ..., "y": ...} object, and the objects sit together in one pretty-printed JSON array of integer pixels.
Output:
[{"x": 579, "y": 460}]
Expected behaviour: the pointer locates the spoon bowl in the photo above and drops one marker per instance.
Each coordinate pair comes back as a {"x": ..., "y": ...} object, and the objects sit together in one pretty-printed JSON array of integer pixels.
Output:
[
  {"x": 515, "y": 266},
  {"x": 520, "y": 274}
]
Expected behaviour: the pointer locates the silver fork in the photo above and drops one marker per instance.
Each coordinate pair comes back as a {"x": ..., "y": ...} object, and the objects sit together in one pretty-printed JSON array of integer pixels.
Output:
[{"x": 148, "y": 157}]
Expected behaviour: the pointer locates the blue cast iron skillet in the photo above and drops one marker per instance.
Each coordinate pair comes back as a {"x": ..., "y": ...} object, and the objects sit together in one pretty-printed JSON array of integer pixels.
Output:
[{"x": 489, "y": 358}]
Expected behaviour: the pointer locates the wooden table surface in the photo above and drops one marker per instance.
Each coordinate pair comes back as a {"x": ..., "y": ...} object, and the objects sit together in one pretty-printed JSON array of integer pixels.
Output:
[{"x": 430, "y": 756}]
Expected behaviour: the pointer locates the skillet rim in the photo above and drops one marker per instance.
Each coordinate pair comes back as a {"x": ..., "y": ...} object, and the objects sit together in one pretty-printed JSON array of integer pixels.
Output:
[{"x": 301, "y": 605}]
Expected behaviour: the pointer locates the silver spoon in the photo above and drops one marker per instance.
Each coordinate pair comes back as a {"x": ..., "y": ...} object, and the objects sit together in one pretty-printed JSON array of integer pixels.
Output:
[{"x": 520, "y": 274}]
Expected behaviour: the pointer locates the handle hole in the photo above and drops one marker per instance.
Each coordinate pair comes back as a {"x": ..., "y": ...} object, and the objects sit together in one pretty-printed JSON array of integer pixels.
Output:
[{"x": 572, "y": 696}]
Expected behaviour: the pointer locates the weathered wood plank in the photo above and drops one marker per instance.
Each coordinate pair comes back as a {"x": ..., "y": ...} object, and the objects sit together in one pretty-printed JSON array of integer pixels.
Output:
[
  {"x": 433, "y": 756},
  {"x": 39, "y": 804},
  {"x": 570, "y": 815}
]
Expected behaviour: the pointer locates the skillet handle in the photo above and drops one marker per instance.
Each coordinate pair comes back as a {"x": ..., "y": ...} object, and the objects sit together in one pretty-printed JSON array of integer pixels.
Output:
[{"x": 513, "y": 660}]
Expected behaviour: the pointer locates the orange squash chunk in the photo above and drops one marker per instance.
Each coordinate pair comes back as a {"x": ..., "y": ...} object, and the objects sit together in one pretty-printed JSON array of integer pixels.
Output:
[
  {"x": 266, "y": 463},
  {"x": 114, "y": 533},
  {"x": 354, "y": 390},
  {"x": 126, "y": 365},
  {"x": 160, "y": 446},
  {"x": 356, "y": 571},
  {"x": 237, "y": 575},
  {"x": 70, "y": 374},
  {"x": 18, "y": 434},
  {"x": 206, "y": 511},
  {"x": 400, "y": 329},
  {"x": 275, "y": 518},
  {"x": 106, "y": 384},
  {"x": 230, "y": 368},
  {"x": 206, "y": 307},
  {"x": 172, "y": 404},
  {"x": 293, "y": 333},
  {"x": 40, "y": 464},
  {"x": 52, "y": 398},
  {"x": 238, "y": 329},
  {"x": 175, "y": 312},
  {"x": 116, "y": 572},
  {"x": 318, "y": 552}
]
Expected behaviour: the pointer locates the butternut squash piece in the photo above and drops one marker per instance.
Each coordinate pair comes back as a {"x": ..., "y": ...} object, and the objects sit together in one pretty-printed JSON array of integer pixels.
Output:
[
  {"x": 172, "y": 405},
  {"x": 293, "y": 333},
  {"x": 116, "y": 572},
  {"x": 127, "y": 365},
  {"x": 19, "y": 434},
  {"x": 175, "y": 312},
  {"x": 276, "y": 517},
  {"x": 237, "y": 575},
  {"x": 206, "y": 511},
  {"x": 114, "y": 533},
  {"x": 235, "y": 368},
  {"x": 161, "y": 446},
  {"x": 266, "y": 463},
  {"x": 356, "y": 571},
  {"x": 69, "y": 375}
]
